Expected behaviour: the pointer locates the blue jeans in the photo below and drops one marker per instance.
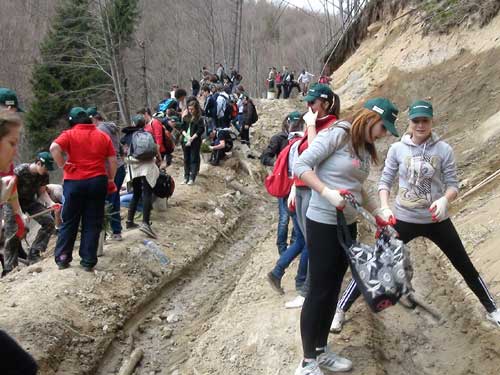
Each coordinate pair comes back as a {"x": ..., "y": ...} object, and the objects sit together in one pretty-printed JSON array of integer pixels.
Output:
[
  {"x": 287, "y": 257},
  {"x": 114, "y": 200},
  {"x": 283, "y": 219},
  {"x": 83, "y": 200}
]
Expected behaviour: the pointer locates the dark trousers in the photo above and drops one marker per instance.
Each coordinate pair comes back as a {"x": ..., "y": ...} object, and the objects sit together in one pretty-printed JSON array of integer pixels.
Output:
[
  {"x": 114, "y": 200},
  {"x": 191, "y": 160},
  {"x": 245, "y": 134},
  {"x": 46, "y": 222},
  {"x": 83, "y": 200},
  {"x": 287, "y": 87},
  {"x": 217, "y": 156},
  {"x": 327, "y": 267},
  {"x": 278, "y": 93},
  {"x": 141, "y": 190},
  {"x": 14, "y": 360},
  {"x": 445, "y": 236}
]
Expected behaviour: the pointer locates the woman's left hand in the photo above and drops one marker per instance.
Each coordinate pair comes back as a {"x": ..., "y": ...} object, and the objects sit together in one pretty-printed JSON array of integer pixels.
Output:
[{"x": 438, "y": 209}]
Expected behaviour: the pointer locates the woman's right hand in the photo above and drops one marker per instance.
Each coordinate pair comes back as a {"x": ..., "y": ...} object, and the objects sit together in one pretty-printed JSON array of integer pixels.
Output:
[
  {"x": 384, "y": 216},
  {"x": 334, "y": 197}
]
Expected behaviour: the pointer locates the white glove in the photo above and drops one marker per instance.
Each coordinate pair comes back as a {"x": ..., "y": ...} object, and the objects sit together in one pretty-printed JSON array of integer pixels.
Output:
[
  {"x": 385, "y": 213},
  {"x": 310, "y": 117},
  {"x": 334, "y": 197},
  {"x": 291, "y": 198},
  {"x": 7, "y": 186},
  {"x": 439, "y": 209}
]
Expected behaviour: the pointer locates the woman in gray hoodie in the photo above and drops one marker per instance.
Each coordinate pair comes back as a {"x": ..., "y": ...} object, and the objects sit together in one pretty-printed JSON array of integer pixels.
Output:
[{"x": 428, "y": 181}]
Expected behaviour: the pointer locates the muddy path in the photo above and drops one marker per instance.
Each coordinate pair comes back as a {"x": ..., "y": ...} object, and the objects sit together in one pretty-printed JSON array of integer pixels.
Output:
[
  {"x": 255, "y": 334},
  {"x": 166, "y": 328}
]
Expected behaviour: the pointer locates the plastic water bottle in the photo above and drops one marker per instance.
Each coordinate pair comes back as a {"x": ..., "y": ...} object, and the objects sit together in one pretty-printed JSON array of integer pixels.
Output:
[{"x": 157, "y": 252}]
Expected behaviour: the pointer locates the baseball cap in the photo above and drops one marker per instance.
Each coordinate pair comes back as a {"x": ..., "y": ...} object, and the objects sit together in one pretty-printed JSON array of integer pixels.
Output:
[
  {"x": 78, "y": 114},
  {"x": 387, "y": 111},
  {"x": 319, "y": 90},
  {"x": 47, "y": 160},
  {"x": 420, "y": 108},
  {"x": 8, "y": 98},
  {"x": 294, "y": 116}
]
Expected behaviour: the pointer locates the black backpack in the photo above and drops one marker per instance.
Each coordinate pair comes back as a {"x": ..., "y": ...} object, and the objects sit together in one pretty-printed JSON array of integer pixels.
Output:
[
  {"x": 165, "y": 185},
  {"x": 255, "y": 116}
]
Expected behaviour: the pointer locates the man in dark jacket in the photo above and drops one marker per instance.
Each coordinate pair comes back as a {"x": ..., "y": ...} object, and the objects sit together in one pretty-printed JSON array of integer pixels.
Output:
[
  {"x": 249, "y": 118},
  {"x": 209, "y": 107},
  {"x": 292, "y": 127}
]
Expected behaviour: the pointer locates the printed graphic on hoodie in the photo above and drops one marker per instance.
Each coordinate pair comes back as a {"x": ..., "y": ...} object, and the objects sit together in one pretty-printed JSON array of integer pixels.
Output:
[{"x": 420, "y": 170}]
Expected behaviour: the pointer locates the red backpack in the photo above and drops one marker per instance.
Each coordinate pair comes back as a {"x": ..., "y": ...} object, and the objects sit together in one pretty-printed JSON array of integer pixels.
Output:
[{"x": 278, "y": 184}]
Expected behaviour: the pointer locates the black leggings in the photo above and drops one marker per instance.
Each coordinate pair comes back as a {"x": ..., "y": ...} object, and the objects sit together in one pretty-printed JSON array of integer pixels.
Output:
[
  {"x": 141, "y": 189},
  {"x": 327, "y": 267},
  {"x": 445, "y": 236}
]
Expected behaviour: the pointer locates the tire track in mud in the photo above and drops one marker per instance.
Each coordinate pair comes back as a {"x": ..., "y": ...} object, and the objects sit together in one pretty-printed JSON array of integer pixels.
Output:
[{"x": 167, "y": 327}]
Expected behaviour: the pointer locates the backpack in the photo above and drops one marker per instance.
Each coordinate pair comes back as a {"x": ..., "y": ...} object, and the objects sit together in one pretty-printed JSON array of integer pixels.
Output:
[
  {"x": 255, "y": 116},
  {"x": 167, "y": 104},
  {"x": 228, "y": 110},
  {"x": 165, "y": 185},
  {"x": 278, "y": 183},
  {"x": 382, "y": 272},
  {"x": 168, "y": 142},
  {"x": 234, "y": 112},
  {"x": 143, "y": 146}
]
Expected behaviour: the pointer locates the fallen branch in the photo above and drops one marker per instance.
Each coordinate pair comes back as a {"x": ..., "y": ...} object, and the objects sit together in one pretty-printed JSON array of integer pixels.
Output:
[
  {"x": 129, "y": 365},
  {"x": 222, "y": 233},
  {"x": 417, "y": 301},
  {"x": 484, "y": 182}
]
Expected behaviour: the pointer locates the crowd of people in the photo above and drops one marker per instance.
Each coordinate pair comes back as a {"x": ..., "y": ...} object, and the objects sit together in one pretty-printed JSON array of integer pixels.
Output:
[
  {"x": 105, "y": 168},
  {"x": 327, "y": 156},
  {"x": 324, "y": 156},
  {"x": 283, "y": 82}
]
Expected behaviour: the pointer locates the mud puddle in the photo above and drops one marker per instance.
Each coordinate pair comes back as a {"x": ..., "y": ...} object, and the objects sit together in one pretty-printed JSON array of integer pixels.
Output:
[{"x": 167, "y": 327}]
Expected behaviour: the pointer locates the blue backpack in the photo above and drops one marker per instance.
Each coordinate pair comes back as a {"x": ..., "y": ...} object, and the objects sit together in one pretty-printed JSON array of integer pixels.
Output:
[{"x": 167, "y": 104}]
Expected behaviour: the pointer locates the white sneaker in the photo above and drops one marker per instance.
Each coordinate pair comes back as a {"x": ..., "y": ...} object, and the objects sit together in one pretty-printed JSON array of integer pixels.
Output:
[
  {"x": 295, "y": 303},
  {"x": 333, "y": 362},
  {"x": 311, "y": 368},
  {"x": 338, "y": 321},
  {"x": 494, "y": 317}
]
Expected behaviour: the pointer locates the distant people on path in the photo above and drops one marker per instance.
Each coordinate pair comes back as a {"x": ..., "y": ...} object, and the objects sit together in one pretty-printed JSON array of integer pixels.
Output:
[
  {"x": 113, "y": 131},
  {"x": 304, "y": 79},
  {"x": 142, "y": 170},
  {"x": 82, "y": 152},
  {"x": 250, "y": 117},
  {"x": 195, "y": 87},
  {"x": 192, "y": 131},
  {"x": 220, "y": 142}
]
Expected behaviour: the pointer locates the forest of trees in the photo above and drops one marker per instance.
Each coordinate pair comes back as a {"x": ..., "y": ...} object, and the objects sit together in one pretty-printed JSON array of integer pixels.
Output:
[{"x": 123, "y": 54}]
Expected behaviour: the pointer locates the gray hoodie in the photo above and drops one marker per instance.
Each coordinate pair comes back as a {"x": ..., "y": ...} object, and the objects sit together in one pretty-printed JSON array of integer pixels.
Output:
[
  {"x": 425, "y": 172},
  {"x": 337, "y": 166},
  {"x": 111, "y": 129}
]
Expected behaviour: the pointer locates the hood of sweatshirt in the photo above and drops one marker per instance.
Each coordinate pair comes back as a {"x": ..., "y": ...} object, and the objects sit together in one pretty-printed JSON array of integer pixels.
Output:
[{"x": 432, "y": 140}]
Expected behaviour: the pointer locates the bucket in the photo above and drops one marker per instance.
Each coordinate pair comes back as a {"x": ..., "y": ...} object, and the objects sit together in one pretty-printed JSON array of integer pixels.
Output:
[{"x": 271, "y": 95}]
